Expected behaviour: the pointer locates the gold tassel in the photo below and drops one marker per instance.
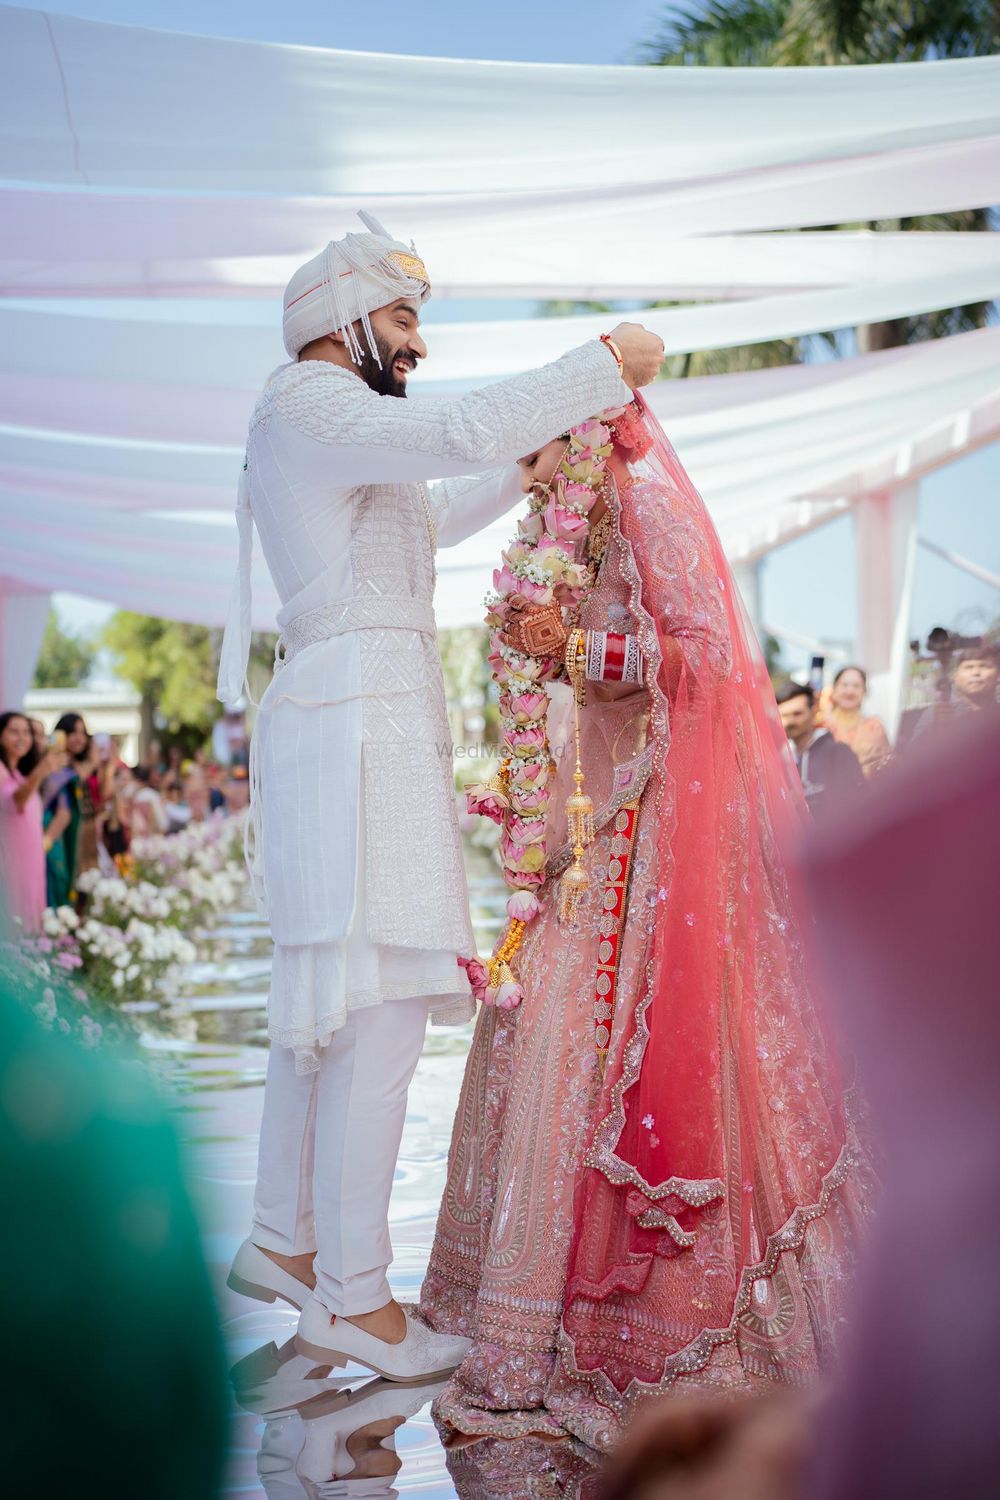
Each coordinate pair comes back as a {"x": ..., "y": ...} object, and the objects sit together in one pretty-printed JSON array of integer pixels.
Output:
[
  {"x": 498, "y": 967},
  {"x": 579, "y": 807}
]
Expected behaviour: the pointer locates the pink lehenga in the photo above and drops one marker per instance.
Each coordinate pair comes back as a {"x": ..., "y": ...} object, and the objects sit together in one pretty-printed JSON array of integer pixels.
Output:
[{"x": 682, "y": 1214}]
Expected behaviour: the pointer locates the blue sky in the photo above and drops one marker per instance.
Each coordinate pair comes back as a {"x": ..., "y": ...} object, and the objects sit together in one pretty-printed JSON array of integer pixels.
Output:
[
  {"x": 579, "y": 31},
  {"x": 808, "y": 587}
]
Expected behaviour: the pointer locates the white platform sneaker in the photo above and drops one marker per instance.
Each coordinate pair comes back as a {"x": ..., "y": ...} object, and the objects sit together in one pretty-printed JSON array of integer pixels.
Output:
[
  {"x": 421, "y": 1355},
  {"x": 254, "y": 1274}
]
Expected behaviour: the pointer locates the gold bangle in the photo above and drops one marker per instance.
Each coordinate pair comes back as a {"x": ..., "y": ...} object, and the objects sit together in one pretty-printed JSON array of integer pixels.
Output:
[
  {"x": 607, "y": 340},
  {"x": 571, "y": 660}
]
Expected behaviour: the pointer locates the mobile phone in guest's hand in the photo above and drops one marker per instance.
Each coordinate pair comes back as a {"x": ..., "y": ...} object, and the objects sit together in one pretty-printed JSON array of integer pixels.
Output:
[{"x": 57, "y": 739}]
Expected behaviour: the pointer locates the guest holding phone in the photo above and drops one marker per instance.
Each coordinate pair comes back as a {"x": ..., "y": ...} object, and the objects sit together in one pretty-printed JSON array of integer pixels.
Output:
[{"x": 22, "y": 853}]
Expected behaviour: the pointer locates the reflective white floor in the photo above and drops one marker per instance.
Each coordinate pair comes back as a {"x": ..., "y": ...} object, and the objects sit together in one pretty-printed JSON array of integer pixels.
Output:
[{"x": 295, "y": 1433}]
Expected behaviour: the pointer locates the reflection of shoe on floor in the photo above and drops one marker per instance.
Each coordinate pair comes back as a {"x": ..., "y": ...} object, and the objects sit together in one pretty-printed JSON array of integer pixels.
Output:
[
  {"x": 272, "y": 1380},
  {"x": 255, "y": 1274},
  {"x": 345, "y": 1443},
  {"x": 280, "y": 1446},
  {"x": 421, "y": 1354}
]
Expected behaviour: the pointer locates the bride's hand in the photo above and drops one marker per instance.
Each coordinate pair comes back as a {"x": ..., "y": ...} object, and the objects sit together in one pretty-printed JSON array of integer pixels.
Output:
[
  {"x": 522, "y": 629},
  {"x": 642, "y": 353}
]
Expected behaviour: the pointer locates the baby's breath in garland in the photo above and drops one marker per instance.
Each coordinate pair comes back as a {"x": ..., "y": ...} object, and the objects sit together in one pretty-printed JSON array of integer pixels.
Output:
[{"x": 540, "y": 565}]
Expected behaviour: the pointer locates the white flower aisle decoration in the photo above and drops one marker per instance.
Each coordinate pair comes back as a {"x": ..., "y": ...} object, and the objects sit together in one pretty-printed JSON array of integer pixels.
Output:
[{"x": 137, "y": 932}]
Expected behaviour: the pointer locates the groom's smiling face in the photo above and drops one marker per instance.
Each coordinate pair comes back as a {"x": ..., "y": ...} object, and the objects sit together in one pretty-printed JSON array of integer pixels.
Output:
[{"x": 399, "y": 345}]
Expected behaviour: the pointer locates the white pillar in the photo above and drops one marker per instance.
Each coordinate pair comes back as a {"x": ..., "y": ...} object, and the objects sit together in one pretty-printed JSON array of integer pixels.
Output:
[
  {"x": 885, "y": 540},
  {"x": 747, "y": 575},
  {"x": 23, "y": 614}
]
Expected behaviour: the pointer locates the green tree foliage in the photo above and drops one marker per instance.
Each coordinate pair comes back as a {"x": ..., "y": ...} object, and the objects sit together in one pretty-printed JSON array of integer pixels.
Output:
[
  {"x": 817, "y": 33},
  {"x": 171, "y": 664},
  {"x": 468, "y": 677},
  {"x": 65, "y": 659},
  {"x": 174, "y": 666}
]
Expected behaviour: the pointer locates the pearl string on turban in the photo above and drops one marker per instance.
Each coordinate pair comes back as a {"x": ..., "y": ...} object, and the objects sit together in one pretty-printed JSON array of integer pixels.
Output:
[{"x": 347, "y": 281}]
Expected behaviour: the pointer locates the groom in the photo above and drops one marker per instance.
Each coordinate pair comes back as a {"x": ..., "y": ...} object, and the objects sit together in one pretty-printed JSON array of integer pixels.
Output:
[{"x": 353, "y": 838}]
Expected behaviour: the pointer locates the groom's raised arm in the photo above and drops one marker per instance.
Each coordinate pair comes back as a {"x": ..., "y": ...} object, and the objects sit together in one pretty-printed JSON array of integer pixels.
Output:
[
  {"x": 461, "y": 507},
  {"x": 384, "y": 440}
]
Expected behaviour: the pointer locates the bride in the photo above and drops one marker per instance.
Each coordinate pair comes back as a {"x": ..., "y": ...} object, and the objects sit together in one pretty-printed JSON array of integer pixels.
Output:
[{"x": 652, "y": 1182}]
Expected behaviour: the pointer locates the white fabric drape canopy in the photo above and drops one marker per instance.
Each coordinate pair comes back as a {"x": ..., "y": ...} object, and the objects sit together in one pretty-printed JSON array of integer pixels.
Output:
[
  {"x": 147, "y": 245},
  {"x": 232, "y": 353},
  {"x": 142, "y": 164},
  {"x": 86, "y": 102},
  {"x": 775, "y": 452}
]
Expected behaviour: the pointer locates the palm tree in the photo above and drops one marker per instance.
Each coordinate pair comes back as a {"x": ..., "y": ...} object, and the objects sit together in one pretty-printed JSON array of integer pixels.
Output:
[
  {"x": 814, "y": 33},
  {"x": 786, "y": 33}
]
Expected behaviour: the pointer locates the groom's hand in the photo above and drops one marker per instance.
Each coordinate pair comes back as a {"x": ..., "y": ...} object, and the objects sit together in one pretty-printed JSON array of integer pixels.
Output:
[{"x": 642, "y": 353}]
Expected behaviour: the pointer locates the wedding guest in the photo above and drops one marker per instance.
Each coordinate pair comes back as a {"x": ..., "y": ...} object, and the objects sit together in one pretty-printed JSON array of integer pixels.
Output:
[
  {"x": 115, "y": 826},
  {"x": 972, "y": 681},
  {"x": 216, "y": 796},
  {"x": 842, "y": 717},
  {"x": 39, "y": 738},
  {"x": 196, "y": 786},
  {"x": 63, "y": 816},
  {"x": 829, "y": 771},
  {"x": 237, "y": 790},
  {"x": 152, "y": 759},
  {"x": 174, "y": 773},
  {"x": 177, "y": 810},
  {"x": 230, "y": 742},
  {"x": 22, "y": 851},
  {"x": 148, "y": 814}
]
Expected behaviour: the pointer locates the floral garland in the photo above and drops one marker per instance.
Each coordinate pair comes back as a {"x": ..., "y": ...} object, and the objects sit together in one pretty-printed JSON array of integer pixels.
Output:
[{"x": 540, "y": 567}]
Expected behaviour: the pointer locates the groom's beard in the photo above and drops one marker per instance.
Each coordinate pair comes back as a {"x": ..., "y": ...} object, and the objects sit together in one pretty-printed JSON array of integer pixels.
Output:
[{"x": 384, "y": 381}]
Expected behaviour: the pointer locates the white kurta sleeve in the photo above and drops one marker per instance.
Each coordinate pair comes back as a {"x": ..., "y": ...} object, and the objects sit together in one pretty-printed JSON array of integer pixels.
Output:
[
  {"x": 377, "y": 439},
  {"x": 461, "y": 507}
]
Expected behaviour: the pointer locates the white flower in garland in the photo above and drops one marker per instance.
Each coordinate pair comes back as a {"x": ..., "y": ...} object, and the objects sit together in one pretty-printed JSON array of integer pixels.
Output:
[{"x": 538, "y": 567}]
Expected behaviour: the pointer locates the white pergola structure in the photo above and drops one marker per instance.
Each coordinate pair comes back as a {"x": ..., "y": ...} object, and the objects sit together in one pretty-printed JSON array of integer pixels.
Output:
[{"x": 139, "y": 167}]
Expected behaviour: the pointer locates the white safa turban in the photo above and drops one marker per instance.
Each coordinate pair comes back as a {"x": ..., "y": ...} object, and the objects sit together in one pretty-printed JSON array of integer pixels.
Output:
[{"x": 347, "y": 281}]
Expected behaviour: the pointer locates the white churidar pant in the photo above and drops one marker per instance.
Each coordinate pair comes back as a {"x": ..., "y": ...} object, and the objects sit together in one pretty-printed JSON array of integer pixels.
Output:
[{"x": 328, "y": 1147}]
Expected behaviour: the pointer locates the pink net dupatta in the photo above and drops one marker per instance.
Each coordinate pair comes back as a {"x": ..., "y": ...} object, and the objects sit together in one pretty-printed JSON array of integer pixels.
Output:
[{"x": 725, "y": 1068}]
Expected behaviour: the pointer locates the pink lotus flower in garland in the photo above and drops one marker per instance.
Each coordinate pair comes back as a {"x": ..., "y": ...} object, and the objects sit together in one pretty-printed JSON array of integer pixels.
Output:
[
  {"x": 539, "y": 566},
  {"x": 524, "y": 739},
  {"x": 529, "y": 705},
  {"x": 488, "y": 801}
]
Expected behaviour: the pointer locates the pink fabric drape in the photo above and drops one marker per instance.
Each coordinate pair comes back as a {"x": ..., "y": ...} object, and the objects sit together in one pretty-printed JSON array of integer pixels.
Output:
[{"x": 688, "y": 1111}]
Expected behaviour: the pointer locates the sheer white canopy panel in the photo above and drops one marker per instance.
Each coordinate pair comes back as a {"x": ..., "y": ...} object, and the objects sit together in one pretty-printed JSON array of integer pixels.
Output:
[{"x": 145, "y": 166}]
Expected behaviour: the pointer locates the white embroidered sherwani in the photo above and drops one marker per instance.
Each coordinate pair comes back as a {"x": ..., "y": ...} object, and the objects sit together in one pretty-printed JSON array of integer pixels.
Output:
[{"x": 358, "y": 860}]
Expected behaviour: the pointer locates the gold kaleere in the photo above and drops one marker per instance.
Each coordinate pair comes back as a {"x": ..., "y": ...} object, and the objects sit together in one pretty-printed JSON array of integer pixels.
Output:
[
  {"x": 498, "y": 967},
  {"x": 579, "y": 807}
]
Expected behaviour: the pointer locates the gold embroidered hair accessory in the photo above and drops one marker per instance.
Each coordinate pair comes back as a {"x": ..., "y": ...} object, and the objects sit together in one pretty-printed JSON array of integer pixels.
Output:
[{"x": 410, "y": 265}]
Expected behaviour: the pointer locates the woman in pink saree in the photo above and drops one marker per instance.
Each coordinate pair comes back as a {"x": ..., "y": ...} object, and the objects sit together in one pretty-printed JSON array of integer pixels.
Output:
[{"x": 652, "y": 1182}]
